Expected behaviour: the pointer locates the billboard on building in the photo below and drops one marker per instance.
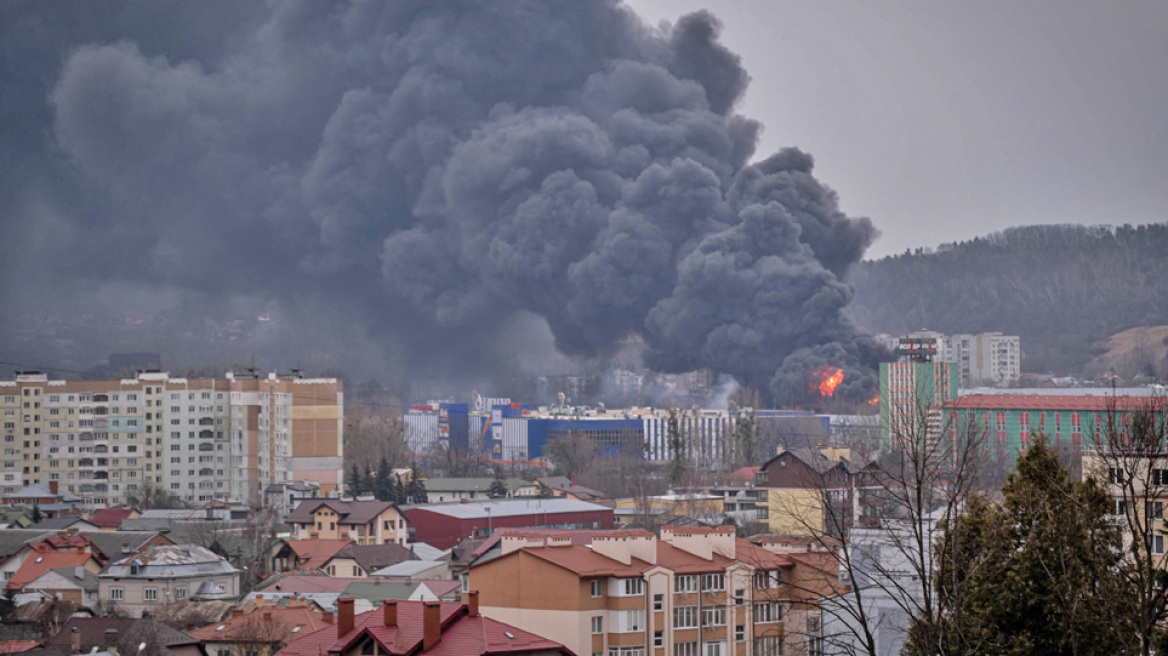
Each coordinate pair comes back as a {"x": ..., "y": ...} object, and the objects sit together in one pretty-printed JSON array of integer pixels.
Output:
[{"x": 917, "y": 346}]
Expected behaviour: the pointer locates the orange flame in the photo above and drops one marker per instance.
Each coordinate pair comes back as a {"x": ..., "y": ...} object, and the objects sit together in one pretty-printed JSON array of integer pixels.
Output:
[
  {"x": 874, "y": 400},
  {"x": 826, "y": 380}
]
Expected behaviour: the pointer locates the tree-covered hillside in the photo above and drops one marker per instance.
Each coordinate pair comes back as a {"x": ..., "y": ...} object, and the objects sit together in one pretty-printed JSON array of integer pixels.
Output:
[{"x": 1064, "y": 289}]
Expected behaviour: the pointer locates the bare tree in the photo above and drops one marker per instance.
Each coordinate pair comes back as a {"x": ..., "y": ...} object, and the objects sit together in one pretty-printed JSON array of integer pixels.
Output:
[
  {"x": 886, "y": 511},
  {"x": 1126, "y": 450}
]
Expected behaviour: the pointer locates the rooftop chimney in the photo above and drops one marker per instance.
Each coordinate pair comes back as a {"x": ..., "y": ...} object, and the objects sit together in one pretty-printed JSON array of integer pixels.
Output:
[
  {"x": 431, "y": 624},
  {"x": 326, "y": 616},
  {"x": 389, "y": 612},
  {"x": 471, "y": 599},
  {"x": 53, "y": 488},
  {"x": 260, "y": 600},
  {"x": 111, "y": 639},
  {"x": 344, "y": 616},
  {"x": 75, "y": 638}
]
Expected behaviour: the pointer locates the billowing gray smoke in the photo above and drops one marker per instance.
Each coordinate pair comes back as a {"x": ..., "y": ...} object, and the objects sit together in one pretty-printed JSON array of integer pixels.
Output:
[{"x": 428, "y": 172}]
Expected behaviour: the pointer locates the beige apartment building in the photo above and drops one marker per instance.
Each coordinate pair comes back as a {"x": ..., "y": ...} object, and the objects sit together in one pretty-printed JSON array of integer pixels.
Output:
[
  {"x": 694, "y": 591},
  {"x": 199, "y": 438}
]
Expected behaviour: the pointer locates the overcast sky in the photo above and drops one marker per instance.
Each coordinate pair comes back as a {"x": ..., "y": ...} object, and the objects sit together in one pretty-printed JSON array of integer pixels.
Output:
[{"x": 944, "y": 120}]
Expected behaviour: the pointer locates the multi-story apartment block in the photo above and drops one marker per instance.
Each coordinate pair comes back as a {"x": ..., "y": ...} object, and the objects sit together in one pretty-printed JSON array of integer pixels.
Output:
[
  {"x": 985, "y": 359},
  {"x": 199, "y": 438},
  {"x": 911, "y": 394},
  {"x": 693, "y": 591}
]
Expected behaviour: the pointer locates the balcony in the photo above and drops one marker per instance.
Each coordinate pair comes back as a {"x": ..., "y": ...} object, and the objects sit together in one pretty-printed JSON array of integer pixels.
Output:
[{"x": 206, "y": 435}]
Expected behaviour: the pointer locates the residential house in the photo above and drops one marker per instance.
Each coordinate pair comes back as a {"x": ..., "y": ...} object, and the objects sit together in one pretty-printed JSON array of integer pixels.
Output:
[
  {"x": 42, "y": 560},
  {"x": 283, "y": 497},
  {"x": 360, "y": 561},
  {"x": 562, "y": 486},
  {"x": 159, "y": 576},
  {"x": 306, "y": 555},
  {"x": 693, "y": 591},
  {"x": 417, "y": 569},
  {"x": 815, "y": 492},
  {"x": 364, "y": 522},
  {"x": 77, "y": 585},
  {"x": 100, "y": 634},
  {"x": 263, "y": 631},
  {"x": 431, "y": 628},
  {"x": 47, "y": 497},
  {"x": 110, "y": 519}
]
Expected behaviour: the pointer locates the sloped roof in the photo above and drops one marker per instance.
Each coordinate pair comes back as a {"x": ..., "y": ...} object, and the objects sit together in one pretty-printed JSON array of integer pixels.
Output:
[
  {"x": 38, "y": 563},
  {"x": 565, "y": 484},
  {"x": 441, "y": 587},
  {"x": 12, "y": 540},
  {"x": 110, "y": 517},
  {"x": 41, "y": 491},
  {"x": 309, "y": 584},
  {"x": 92, "y": 630},
  {"x": 462, "y": 635},
  {"x": 111, "y": 542},
  {"x": 351, "y": 512},
  {"x": 60, "y": 523},
  {"x": 78, "y": 576},
  {"x": 169, "y": 560},
  {"x": 372, "y": 557},
  {"x": 471, "y": 484},
  {"x": 315, "y": 553},
  {"x": 409, "y": 568},
  {"x": 17, "y": 646},
  {"x": 378, "y": 591},
  {"x": 275, "y": 621}
]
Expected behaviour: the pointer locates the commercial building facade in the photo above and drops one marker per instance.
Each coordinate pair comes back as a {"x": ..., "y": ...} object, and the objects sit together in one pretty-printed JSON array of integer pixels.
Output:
[{"x": 199, "y": 438}]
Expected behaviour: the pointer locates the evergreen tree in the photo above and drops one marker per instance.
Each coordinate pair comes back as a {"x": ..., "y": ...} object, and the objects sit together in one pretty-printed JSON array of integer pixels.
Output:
[
  {"x": 399, "y": 490},
  {"x": 498, "y": 489},
  {"x": 354, "y": 480},
  {"x": 678, "y": 462},
  {"x": 416, "y": 489},
  {"x": 382, "y": 484},
  {"x": 1036, "y": 574}
]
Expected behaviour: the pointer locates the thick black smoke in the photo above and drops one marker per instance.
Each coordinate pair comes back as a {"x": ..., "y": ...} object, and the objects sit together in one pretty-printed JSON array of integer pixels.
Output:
[{"x": 425, "y": 172}]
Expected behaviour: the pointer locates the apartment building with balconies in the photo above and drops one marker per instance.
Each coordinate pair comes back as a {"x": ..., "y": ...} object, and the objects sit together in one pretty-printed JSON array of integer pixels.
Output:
[
  {"x": 199, "y": 439},
  {"x": 693, "y": 591}
]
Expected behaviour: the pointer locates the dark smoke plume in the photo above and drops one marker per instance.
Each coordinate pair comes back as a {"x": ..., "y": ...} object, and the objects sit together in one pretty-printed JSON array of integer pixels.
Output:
[{"x": 415, "y": 175}]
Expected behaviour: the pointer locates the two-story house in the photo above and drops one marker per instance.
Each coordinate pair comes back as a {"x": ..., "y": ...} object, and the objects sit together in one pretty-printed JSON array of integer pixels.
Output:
[
  {"x": 144, "y": 582},
  {"x": 363, "y": 522}
]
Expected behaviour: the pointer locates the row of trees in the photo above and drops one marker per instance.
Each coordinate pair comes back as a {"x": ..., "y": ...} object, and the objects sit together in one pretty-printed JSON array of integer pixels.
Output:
[
  {"x": 384, "y": 485},
  {"x": 942, "y": 558}
]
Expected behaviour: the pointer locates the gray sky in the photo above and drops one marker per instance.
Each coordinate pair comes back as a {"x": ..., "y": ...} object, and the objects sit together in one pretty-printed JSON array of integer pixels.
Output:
[{"x": 944, "y": 120}]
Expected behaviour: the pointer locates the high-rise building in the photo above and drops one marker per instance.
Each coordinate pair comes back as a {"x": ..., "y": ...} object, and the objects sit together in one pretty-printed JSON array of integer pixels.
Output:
[
  {"x": 198, "y": 439},
  {"x": 991, "y": 359},
  {"x": 911, "y": 396}
]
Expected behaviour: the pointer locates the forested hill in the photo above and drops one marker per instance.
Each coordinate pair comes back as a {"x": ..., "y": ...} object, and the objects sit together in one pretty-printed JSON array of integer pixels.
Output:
[{"x": 1062, "y": 288}]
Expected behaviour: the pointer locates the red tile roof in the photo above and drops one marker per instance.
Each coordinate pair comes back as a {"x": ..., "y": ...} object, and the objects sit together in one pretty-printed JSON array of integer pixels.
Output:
[
  {"x": 17, "y": 646},
  {"x": 583, "y": 561},
  {"x": 462, "y": 635},
  {"x": 1101, "y": 403},
  {"x": 285, "y": 621},
  {"x": 110, "y": 517},
  {"x": 39, "y": 563}
]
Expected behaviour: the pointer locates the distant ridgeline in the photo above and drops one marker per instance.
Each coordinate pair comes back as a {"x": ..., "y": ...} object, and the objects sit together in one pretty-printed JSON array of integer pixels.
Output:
[{"x": 1064, "y": 289}]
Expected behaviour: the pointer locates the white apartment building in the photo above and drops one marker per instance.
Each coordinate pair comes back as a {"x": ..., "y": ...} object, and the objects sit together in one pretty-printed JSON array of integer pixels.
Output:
[{"x": 986, "y": 359}]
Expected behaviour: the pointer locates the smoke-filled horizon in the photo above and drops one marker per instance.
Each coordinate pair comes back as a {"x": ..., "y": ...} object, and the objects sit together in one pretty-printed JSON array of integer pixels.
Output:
[{"x": 420, "y": 187}]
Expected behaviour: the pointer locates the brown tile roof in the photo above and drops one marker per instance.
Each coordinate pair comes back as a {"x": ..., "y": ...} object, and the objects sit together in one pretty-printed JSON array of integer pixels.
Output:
[
  {"x": 351, "y": 512},
  {"x": 92, "y": 630},
  {"x": 279, "y": 622},
  {"x": 313, "y": 554},
  {"x": 583, "y": 561},
  {"x": 372, "y": 557}
]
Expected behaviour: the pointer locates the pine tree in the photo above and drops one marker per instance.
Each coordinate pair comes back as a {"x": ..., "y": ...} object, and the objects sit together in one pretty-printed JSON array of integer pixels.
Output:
[
  {"x": 416, "y": 489},
  {"x": 354, "y": 481},
  {"x": 498, "y": 489},
  {"x": 382, "y": 484},
  {"x": 1035, "y": 574}
]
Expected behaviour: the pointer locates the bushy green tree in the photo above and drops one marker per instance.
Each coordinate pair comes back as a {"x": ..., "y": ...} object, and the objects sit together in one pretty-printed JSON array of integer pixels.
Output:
[
  {"x": 1035, "y": 574},
  {"x": 498, "y": 489}
]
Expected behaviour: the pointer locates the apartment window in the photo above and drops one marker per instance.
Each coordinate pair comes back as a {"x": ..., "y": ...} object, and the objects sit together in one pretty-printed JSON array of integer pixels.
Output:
[
  {"x": 685, "y": 617},
  {"x": 626, "y": 651},
  {"x": 739, "y": 597},
  {"x": 1156, "y": 544},
  {"x": 597, "y": 588},
  {"x": 766, "y": 580},
  {"x": 632, "y": 621},
  {"x": 768, "y": 646},
  {"x": 1120, "y": 507},
  {"x": 1160, "y": 477},
  {"x": 715, "y": 616},
  {"x": 180, "y": 593},
  {"x": 768, "y": 612},
  {"x": 658, "y": 602},
  {"x": 597, "y": 624},
  {"x": 716, "y": 648},
  {"x": 685, "y": 584},
  {"x": 658, "y": 638},
  {"x": 1115, "y": 475},
  {"x": 117, "y": 594},
  {"x": 1154, "y": 509},
  {"x": 713, "y": 582},
  {"x": 740, "y": 634},
  {"x": 634, "y": 587},
  {"x": 686, "y": 649},
  {"x": 150, "y": 594}
]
